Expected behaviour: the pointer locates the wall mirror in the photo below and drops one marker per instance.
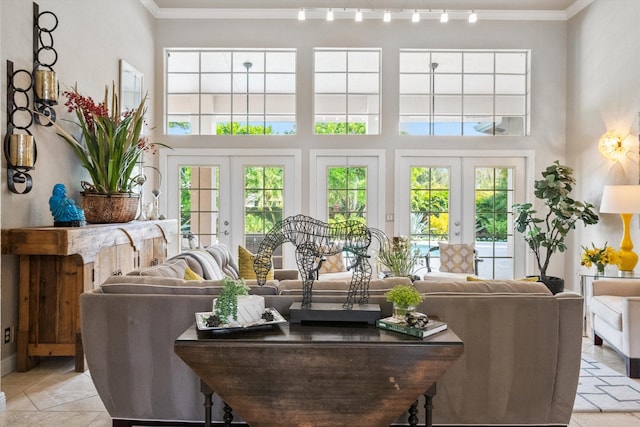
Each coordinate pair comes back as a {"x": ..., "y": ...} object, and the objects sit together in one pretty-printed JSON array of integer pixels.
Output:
[{"x": 130, "y": 86}]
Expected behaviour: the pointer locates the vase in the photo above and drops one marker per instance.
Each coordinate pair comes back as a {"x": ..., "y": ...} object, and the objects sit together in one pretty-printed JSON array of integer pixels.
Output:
[
  {"x": 600, "y": 269},
  {"x": 400, "y": 311},
  {"x": 109, "y": 208}
]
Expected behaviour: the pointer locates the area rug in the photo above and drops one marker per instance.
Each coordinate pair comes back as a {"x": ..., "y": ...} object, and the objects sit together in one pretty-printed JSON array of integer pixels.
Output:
[{"x": 601, "y": 389}]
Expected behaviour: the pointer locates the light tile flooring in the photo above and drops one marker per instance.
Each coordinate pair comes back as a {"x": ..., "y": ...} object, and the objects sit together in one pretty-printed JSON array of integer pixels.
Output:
[{"x": 53, "y": 394}]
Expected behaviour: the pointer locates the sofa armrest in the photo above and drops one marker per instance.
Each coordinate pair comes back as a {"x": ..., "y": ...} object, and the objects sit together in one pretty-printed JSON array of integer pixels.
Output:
[
  {"x": 618, "y": 287},
  {"x": 285, "y": 274},
  {"x": 631, "y": 326}
]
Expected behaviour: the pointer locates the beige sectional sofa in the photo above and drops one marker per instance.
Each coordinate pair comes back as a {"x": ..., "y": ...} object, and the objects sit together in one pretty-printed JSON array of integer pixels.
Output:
[{"x": 520, "y": 365}]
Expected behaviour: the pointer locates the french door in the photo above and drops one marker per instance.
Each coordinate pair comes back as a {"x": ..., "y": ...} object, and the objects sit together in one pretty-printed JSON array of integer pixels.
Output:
[
  {"x": 462, "y": 199},
  {"x": 232, "y": 197}
]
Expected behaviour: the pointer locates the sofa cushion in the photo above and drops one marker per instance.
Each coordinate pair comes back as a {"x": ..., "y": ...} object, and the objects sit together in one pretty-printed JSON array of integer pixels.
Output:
[
  {"x": 245, "y": 264},
  {"x": 608, "y": 308},
  {"x": 493, "y": 286},
  {"x": 174, "y": 269},
  {"x": 456, "y": 258},
  {"x": 166, "y": 285},
  {"x": 338, "y": 287}
]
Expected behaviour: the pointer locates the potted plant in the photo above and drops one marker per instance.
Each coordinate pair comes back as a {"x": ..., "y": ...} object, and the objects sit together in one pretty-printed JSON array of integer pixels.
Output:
[
  {"x": 398, "y": 256},
  {"x": 226, "y": 304},
  {"x": 405, "y": 299},
  {"x": 545, "y": 232},
  {"x": 109, "y": 146}
]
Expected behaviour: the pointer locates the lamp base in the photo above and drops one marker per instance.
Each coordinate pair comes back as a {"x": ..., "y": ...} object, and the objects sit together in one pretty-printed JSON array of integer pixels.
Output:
[
  {"x": 626, "y": 273},
  {"x": 628, "y": 260}
]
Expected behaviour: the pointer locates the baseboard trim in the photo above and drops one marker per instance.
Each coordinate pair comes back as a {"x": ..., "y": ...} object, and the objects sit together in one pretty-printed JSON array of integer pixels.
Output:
[{"x": 8, "y": 365}]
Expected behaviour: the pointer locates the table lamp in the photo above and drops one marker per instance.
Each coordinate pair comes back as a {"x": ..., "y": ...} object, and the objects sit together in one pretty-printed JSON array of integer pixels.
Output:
[{"x": 624, "y": 200}]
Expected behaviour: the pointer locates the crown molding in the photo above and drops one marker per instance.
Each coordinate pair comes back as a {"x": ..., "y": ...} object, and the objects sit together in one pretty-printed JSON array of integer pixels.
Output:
[{"x": 344, "y": 14}]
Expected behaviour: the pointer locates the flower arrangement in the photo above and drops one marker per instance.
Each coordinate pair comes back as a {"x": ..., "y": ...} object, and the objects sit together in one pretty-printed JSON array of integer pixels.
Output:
[
  {"x": 111, "y": 141},
  {"x": 399, "y": 256},
  {"x": 599, "y": 257}
]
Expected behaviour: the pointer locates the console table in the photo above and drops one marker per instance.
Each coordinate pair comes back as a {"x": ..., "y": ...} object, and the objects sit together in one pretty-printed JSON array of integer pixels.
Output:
[
  {"x": 57, "y": 264},
  {"x": 310, "y": 375}
]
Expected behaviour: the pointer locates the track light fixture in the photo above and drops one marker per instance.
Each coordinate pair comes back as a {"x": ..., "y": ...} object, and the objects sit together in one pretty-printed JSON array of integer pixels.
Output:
[
  {"x": 473, "y": 17},
  {"x": 330, "y": 15},
  {"x": 358, "y": 17},
  {"x": 387, "y": 16},
  {"x": 444, "y": 17},
  {"x": 301, "y": 15},
  {"x": 415, "y": 16}
]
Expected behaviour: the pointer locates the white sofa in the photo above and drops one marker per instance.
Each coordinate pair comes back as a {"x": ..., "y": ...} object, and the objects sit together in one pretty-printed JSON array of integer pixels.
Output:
[{"x": 615, "y": 318}]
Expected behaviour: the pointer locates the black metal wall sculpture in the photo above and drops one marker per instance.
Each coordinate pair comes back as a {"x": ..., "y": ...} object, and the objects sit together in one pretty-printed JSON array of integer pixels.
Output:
[{"x": 315, "y": 240}]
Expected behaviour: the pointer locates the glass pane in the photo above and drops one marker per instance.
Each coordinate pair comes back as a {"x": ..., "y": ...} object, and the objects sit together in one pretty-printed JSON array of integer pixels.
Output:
[
  {"x": 183, "y": 125},
  {"x": 324, "y": 125},
  {"x": 183, "y": 83},
  {"x": 180, "y": 62},
  {"x": 329, "y": 104},
  {"x": 515, "y": 62},
  {"x": 481, "y": 105},
  {"x": 364, "y": 61},
  {"x": 331, "y": 83},
  {"x": 216, "y": 83},
  {"x": 509, "y": 84},
  {"x": 478, "y": 62},
  {"x": 415, "y": 83},
  {"x": 364, "y": 83},
  {"x": 242, "y": 58},
  {"x": 448, "y": 104},
  {"x": 446, "y": 126},
  {"x": 280, "y": 83},
  {"x": 280, "y": 104},
  {"x": 510, "y": 125},
  {"x": 478, "y": 84},
  {"x": 330, "y": 61},
  {"x": 281, "y": 125},
  {"x": 216, "y": 62},
  {"x": 413, "y": 62},
  {"x": 363, "y": 104},
  {"x": 510, "y": 105},
  {"x": 182, "y": 104},
  {"x": 413, "y": 126},
  {"x": 414, "y": 104},
  {"x": 478, "y": 125},
  {"x": 220, "y": 104},
  {"x": 281, "y": 62},
  {"x": 447, "y": 84},
  {"x": 448, "y": 62}
]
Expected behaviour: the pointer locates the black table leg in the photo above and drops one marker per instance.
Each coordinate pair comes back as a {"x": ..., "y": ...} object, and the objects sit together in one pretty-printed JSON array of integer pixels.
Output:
[
  {"x": 428, "y": 405},
  {"x": 208, "y": 402},
  {"x": 413, "y": 414},
  {"x": 228, "y": 415}
]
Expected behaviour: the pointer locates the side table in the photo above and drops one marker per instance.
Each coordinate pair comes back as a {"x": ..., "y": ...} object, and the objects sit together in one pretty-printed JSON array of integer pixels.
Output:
[{"x": 318, "y": 375}]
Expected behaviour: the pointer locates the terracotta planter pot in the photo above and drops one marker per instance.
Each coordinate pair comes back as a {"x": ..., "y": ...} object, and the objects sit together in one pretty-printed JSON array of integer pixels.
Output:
[{"x": 109, "y": 208}]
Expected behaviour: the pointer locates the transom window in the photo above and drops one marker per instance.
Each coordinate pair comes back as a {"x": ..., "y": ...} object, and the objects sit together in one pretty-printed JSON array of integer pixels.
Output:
[
  {"x": 458, "y": 92},
  {"x": 347, "y": 91},
  {"x": 231, "y": 92}
]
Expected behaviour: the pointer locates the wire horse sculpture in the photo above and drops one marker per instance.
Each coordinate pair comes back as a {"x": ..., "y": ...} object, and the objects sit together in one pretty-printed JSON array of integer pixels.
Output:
[{"x": 314, "y": 240}]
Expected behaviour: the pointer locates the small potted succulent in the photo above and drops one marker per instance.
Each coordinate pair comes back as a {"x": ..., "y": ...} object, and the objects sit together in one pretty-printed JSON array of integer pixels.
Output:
[{"x": 405, "y": 299}]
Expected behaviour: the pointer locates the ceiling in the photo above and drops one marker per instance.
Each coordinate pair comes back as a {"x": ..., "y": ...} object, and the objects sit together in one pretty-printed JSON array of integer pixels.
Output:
[{"x": 489, "y": 9}]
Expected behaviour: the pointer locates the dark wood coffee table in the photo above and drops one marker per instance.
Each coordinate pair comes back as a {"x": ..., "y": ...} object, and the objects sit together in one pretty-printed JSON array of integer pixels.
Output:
[{"x": 303, "y": 375}]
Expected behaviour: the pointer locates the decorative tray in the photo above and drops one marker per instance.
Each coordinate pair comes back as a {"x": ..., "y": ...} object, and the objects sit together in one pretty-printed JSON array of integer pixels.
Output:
[{"x": 201, "y": 322}]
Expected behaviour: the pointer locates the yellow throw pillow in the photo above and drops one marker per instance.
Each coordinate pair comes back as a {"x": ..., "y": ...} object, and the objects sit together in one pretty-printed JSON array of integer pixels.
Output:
[
  {"x": 245, "y": 265},
  {"x": 189, "y": 274}
]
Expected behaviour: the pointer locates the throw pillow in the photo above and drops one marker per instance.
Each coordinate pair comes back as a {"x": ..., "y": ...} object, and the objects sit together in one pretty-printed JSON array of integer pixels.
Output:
[
  {"x": 333, "y": 264},
  {"x": 456, "y": 258},
  {"x": 174, "y": 269},
  {"x": 189, "y": 274},
  {"x": 245, "y": 265}
]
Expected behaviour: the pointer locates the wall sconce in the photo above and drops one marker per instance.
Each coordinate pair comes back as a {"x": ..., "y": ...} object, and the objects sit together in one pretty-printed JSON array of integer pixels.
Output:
[
  {"x": 19, "y": 144},
  {"x": 610, "y": 146},
  {"x": 45, "y": 80}
]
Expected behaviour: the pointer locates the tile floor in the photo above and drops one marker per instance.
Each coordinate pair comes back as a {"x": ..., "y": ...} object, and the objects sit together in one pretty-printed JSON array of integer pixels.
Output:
[{"x": 53, "y": 394}]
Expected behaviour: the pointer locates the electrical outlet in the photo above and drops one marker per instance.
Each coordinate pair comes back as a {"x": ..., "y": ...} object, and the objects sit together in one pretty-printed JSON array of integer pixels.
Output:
[{"x": 7, "y": 335}]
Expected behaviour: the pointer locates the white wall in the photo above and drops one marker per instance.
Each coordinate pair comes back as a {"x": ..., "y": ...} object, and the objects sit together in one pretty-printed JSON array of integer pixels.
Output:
[
  {"x": 603, "y": 93},
  {"x": 91, "y": 38}
]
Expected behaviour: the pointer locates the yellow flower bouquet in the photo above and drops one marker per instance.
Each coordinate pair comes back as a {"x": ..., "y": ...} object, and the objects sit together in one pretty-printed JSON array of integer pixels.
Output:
[{"x": 599, "y": 257}]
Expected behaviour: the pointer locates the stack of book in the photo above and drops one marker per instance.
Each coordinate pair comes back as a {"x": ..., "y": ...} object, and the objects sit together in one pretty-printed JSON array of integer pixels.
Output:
[{"x": 392, "y": 324}]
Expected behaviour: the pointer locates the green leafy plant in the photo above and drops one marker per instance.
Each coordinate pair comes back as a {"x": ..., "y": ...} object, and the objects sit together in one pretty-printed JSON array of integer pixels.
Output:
[
  {"x": 404, "y": 295},
  {"x": 111, "y": 141},
  {"x": 227, "y": 301},
  {"x": 399, "y": 256},
  {"x": 545, "y": 234}
]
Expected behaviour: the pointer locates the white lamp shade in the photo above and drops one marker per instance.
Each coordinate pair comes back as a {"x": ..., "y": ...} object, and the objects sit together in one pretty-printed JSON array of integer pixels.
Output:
[{"x": 620, "y": 199}]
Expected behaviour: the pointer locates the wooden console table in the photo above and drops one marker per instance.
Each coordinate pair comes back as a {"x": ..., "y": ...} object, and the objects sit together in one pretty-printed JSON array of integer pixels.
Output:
[
  {"x": 57, "y": 264},
  {"x": 308, "y": 375}
]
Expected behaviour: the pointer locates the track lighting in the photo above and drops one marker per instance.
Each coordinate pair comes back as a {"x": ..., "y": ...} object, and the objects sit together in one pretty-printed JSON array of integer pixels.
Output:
[
  {"x": 330, "y": 15},
  {"x": 473, "y": 17},
  {"x": 415, "y": 17},
  {"x": 301, "y": 15},
  {"x": 444, "y": 17},
  {"x": 358, "y": 17},
  {"x": 387, "y": 16}
]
